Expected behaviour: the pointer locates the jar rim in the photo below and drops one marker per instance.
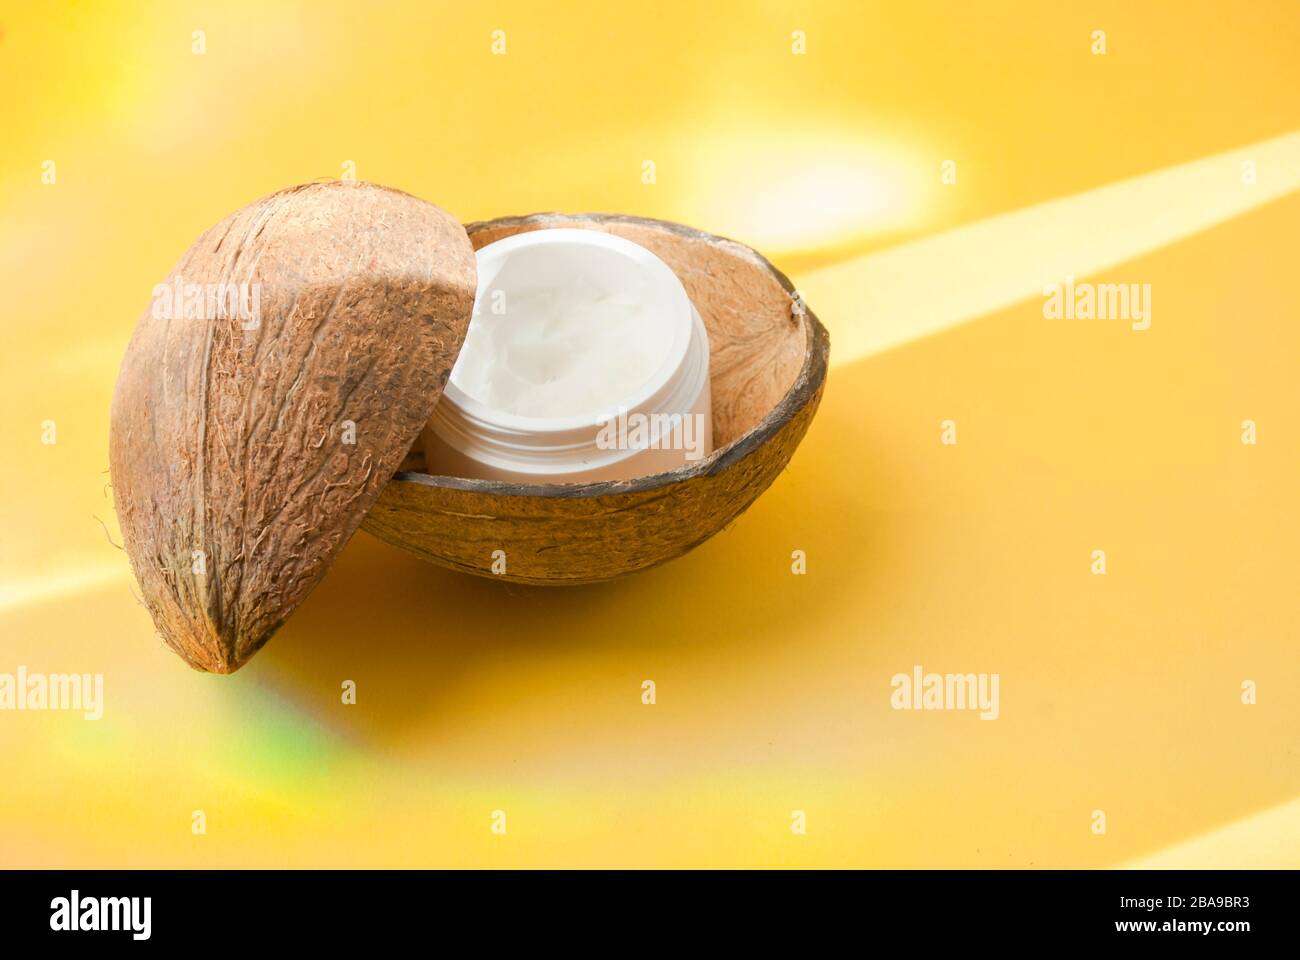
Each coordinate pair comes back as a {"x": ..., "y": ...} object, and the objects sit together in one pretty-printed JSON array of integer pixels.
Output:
[{"x": 505, "y": 448}]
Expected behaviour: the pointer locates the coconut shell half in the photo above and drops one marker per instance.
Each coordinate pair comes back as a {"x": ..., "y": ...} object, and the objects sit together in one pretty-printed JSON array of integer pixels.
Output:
[
  {"x": 245, "y": 448},
  {"x": 768, "y": 358}
]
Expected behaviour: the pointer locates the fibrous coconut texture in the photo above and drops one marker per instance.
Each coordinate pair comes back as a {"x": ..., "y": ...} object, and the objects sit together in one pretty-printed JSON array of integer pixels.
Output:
[{"x": 245, "y": 449}]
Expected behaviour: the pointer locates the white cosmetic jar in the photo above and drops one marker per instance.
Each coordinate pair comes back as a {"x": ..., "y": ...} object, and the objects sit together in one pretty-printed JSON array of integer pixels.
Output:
[{"x": 555, "y": 306}]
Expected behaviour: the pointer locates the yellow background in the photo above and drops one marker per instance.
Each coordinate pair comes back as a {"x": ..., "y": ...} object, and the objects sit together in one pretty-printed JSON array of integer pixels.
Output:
[{"x": 1118, "y": 693}]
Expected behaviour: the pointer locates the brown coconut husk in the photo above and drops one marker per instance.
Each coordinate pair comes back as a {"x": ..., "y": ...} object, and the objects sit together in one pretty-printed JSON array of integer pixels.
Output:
[{"x": 233, "y": 477}]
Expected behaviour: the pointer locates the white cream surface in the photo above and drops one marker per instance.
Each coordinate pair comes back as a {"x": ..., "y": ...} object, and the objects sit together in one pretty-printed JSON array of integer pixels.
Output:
[{"x": 565, "y": 351}]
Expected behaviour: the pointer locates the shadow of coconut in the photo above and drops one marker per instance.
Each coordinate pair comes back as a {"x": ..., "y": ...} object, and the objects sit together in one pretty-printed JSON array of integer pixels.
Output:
[{"x": 415, "y": 637}]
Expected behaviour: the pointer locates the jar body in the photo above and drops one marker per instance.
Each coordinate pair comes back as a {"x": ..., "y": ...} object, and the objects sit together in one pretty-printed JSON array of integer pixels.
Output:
[{"x": 657, "y": 426}]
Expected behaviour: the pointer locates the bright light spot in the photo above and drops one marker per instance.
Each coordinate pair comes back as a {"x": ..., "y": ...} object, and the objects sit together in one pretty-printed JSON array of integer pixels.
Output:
[{"x": 801, "y": 192}]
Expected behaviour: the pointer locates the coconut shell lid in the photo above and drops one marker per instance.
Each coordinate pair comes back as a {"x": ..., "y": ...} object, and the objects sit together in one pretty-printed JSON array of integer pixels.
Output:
[{"x": 250, "y": 435}]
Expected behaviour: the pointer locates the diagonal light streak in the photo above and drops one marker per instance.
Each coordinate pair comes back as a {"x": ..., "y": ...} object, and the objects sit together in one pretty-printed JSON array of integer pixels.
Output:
[
  {"x": 16, "y": 594},
  {"x": 1266, "y": 840},
  {"x": 881, "y": 300}
]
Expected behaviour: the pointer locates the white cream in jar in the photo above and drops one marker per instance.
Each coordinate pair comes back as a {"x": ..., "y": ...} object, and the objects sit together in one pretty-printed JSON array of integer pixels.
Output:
[{"x": 585, "y": 360}]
